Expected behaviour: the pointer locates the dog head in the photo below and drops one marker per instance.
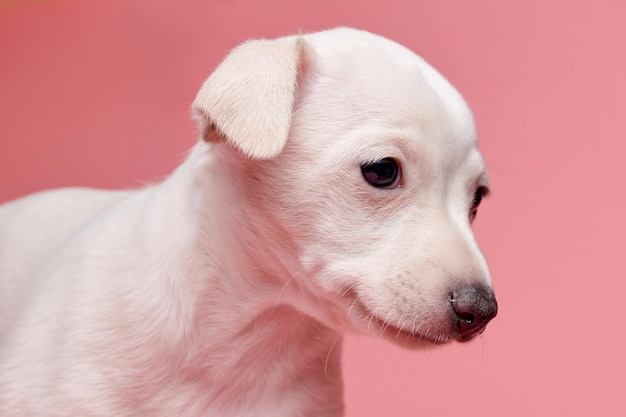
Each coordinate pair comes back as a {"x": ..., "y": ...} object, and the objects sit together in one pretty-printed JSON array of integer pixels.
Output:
[{"x": 365, "y": 157}]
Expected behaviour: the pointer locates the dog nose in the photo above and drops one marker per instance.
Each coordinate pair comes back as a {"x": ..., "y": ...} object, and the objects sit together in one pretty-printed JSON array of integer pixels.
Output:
[{"x": 473, "y": 307}]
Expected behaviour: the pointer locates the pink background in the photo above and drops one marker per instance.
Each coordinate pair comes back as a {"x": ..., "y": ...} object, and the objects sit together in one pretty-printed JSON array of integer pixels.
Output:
[{"x": 98, "y": 93}]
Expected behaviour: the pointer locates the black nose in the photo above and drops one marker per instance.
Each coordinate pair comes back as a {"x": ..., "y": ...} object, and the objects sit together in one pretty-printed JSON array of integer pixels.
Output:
[{"x": 473, "y": 307}]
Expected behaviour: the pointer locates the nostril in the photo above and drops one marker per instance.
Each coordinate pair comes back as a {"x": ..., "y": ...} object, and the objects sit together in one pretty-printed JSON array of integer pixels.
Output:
[{"x": 473, "y": 307}]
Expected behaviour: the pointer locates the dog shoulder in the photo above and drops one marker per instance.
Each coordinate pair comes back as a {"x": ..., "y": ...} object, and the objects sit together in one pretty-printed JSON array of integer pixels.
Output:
[{"x": 34, "y": 226}]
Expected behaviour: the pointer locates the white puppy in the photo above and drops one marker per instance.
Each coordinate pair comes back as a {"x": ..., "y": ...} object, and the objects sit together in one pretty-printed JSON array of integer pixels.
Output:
[{"x": 333, "y": 191}]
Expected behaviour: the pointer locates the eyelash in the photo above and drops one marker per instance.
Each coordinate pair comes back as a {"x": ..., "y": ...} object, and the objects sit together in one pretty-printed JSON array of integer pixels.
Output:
[{"x": 480, "y": 192}]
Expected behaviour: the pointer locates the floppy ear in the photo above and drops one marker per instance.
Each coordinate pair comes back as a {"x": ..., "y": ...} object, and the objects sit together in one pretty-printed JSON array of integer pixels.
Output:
[{"x": 249, "y": 98}]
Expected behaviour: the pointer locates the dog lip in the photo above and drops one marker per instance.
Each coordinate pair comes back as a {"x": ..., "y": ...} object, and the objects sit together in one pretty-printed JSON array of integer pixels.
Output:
[
  {"x": 387, "y": 329},
  {"x": 463, "y": 338},
  {"x": 398, "y": 334}
]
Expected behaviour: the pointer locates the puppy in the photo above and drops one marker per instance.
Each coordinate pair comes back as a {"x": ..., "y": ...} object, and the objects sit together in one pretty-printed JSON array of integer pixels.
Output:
[{"x": 332, "y": 191}]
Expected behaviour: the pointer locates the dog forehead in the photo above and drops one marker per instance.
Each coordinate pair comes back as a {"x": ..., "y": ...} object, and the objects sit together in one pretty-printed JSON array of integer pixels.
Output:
[{"x": 383, "y": 83}]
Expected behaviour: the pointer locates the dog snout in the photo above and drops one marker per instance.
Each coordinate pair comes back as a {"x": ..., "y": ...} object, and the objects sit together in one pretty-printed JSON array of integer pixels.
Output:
[{"x": 473, "y": 307}]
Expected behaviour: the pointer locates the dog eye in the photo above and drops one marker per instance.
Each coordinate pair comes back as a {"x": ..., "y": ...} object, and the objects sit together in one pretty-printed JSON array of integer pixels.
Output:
[
  {"x": 478, "y": 196},
  {"x": 384, "y": 173}
]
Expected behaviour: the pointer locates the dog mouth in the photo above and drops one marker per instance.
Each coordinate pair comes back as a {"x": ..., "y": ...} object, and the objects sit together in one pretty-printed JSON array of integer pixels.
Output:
[
  {"x": 410, "y": 338},
  {"x": 415, "y": 336}
]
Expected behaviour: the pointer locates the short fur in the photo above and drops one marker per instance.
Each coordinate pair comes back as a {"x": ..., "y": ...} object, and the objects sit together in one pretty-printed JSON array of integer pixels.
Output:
[{"x": 225, "y": 289}]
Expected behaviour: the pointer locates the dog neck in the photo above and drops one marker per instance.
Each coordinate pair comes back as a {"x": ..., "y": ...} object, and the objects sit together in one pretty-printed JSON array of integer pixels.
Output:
[
  {"x": 236, "y": 345},
  {"x": 279, "y": 356}
]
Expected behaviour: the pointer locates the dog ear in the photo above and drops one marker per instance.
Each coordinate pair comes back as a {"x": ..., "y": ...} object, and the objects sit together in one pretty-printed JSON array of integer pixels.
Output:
[{"x": 248, "y": 100}]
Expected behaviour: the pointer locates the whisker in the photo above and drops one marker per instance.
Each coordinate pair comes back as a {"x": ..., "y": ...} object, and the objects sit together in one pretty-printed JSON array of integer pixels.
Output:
[
  {"x": 414, "y": 326},
  {"x": 356, "y": 299},
  {"x": 369, "y": 324},
  {"x": 347, "y": 290},
  {"x": 386, "y": 319},
  {"x": 328, "y": 355},
  {"x": 289, "y": 281},
  {"x": 402, "y": 326}
]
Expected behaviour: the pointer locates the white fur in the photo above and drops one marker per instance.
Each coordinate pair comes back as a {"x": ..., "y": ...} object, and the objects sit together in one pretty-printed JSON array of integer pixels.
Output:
[{"x": 224, "y": 290}]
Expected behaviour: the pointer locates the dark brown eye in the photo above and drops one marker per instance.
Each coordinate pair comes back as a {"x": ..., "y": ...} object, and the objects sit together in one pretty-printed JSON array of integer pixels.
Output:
[
  {"x": 478, "y": 197},
  {"x": 384, "y": 173}
]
